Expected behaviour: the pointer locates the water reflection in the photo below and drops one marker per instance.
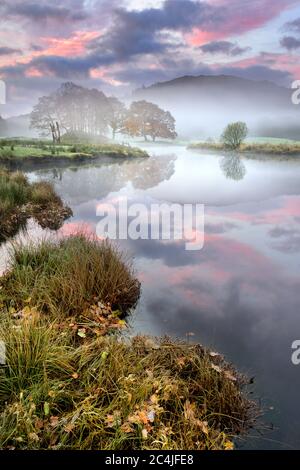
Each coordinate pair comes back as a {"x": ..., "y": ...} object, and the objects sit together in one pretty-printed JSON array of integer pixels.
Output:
[
  {"x": 241, "y": 293},
  {"x": 233, "y": 167}
]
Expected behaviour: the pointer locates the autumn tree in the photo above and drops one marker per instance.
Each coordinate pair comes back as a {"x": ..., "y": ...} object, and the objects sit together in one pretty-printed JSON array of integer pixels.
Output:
[
  {"x": 235, "y": 134},
  {"x": 146, "y": 119}
]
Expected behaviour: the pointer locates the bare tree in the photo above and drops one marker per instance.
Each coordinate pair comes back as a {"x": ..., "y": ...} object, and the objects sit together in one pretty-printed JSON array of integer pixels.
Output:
[
  {"x": 117, "y": 115},
  {"x": 72, "y": 109}
]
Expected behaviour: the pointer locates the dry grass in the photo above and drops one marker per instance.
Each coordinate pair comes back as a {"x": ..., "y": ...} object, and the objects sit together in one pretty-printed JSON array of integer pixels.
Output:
[
  {"x": 111, "y": 394},
  {"x": 266, "y": 148},
  {"x": 65, "y": 277}
]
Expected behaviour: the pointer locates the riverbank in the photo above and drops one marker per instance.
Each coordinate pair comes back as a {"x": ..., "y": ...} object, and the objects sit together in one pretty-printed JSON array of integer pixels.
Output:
[
  {"x": 70, "y": 383},
  {"x": 20, "y": 200},
  {"x": 253, "y": 150},
  {"x": 24, "y": 151}
]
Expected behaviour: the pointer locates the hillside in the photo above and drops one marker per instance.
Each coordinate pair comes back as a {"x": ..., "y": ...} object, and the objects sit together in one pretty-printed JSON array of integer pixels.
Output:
[{"x": 203, "y": 105}]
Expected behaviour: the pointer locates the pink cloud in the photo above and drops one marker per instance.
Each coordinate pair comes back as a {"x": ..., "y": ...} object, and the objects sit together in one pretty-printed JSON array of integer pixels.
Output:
[{"x": 239, "y": 17}]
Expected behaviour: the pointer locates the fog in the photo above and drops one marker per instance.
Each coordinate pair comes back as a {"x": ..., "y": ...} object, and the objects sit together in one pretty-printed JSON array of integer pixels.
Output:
[{"x": 203, "y": 106}]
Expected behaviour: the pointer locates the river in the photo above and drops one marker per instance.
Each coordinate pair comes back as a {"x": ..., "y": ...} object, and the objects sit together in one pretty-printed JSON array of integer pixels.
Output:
[{"x": 240, "y": 294}]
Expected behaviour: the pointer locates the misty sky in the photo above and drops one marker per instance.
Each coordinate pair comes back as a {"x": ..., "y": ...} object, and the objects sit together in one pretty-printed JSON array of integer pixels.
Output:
[{"x": 119, "y": 45}]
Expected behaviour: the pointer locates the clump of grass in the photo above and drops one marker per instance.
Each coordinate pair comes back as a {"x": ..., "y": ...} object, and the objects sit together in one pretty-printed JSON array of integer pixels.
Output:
[
  {"x": 66, "y": 276},
  {"x": 106, "y": 393},
  {"x": 43, "y": 193},
  {"x": 20, "y": 200},
  {"x": 14, "y": 191}
]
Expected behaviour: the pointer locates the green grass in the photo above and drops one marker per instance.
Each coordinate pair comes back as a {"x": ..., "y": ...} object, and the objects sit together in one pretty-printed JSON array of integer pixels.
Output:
[
  {"x": 21, "y": 149},
  {"x": 261, "y": 147}
]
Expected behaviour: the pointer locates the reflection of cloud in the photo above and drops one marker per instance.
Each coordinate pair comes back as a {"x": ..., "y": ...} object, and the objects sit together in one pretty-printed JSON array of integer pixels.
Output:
[{"x": 288, "y": 239}]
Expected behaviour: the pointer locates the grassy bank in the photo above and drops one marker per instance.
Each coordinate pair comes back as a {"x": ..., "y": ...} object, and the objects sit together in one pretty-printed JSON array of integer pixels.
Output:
[
  {"x": 68, "y": 384},
  {"x": 66, "y": 278},
  {"x": 20, "y": 200},
  {"x": 36, "y": 150},
  {"x": 253, "y": 148}
]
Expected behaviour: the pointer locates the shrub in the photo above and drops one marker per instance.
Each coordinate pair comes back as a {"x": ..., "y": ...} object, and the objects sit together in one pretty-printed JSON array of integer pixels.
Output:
[{"x": 235, "y": 134}]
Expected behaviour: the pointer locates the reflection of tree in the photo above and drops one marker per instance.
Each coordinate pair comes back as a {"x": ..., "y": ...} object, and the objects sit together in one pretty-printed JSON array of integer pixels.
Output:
[
  {"x": 83, "y": 183},
  {"x": 232, "y": 167}
]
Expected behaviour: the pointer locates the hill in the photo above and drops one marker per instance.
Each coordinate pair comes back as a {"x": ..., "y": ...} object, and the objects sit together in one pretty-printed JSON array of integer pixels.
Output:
[{"x": 203, "y": 105}]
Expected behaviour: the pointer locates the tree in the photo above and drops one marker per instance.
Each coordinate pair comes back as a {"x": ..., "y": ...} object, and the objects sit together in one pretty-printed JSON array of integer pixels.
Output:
[
  {"x": 147, "y": 119},
  {"x": 71, "y": 108},
  {"x": 44, "y": 118},
  {"x": 116, "y": 115},
  {"x": 235, "y": 134}
]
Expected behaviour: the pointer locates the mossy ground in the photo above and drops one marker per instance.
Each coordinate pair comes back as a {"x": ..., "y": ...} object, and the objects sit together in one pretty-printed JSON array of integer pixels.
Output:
[{"x": 18, "y": 150}]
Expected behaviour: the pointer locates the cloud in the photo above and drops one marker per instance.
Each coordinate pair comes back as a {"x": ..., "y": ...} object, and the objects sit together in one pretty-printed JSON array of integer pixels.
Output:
[
  {"x": 290, "y": 43},
  {"x": 292, "y": 26},
  {"x": 9, "y": 50},
  {"x": 43, "y": 11},
  {"x": 223, "y": 47}
]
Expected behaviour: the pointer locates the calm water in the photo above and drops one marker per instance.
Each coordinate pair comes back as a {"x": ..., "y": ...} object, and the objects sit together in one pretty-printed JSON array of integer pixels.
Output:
[{"x": 240, "y": 294}]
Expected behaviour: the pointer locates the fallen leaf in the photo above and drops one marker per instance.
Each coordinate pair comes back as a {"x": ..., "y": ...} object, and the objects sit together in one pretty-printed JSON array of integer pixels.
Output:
[
  {"x": 214, "y": 354},
  {"x": 126, "y": 428},
  {"x": 69, "y": 427},
  {"x": 228, "y": 445},
  {"x": 33, "y": 437},
  {"x": 203, "y": 425},
  {"x": 81, "y": 333},
  {"x": 229, "y": 376},
  {"x": 54, "y": 421},
  {"x": 154, "y": 399},
  {"x": 189, "y": 410},
  {"x": 216, "y": 368}
]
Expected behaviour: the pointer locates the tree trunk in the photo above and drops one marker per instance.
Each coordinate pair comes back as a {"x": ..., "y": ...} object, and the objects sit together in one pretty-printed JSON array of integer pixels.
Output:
[
  {"x": 58, "y": 132},
  {"x": 52, "y": 127}
]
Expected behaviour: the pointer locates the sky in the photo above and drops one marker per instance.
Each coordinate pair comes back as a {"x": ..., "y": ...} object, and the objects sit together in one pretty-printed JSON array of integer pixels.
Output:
[{"x": 120, "y": 45}]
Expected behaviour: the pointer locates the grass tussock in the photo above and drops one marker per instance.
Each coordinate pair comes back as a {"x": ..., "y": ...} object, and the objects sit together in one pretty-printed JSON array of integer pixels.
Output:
[
  {"x": 111, "y": 394},
  {"x": 20, "y": 199},
  {"x": 66, "y": 384},
  {"x": 265, "y": 148},
  {"x": 67, "y": 276}
]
